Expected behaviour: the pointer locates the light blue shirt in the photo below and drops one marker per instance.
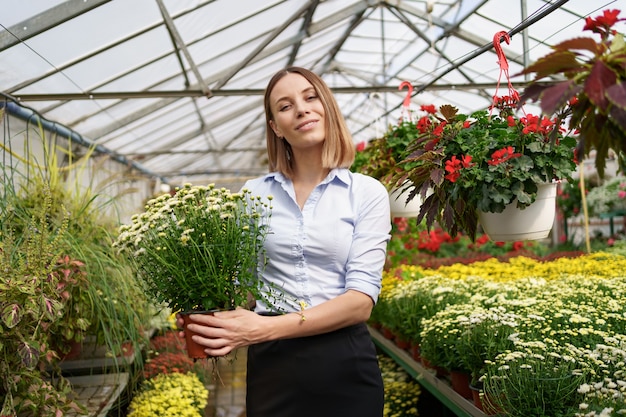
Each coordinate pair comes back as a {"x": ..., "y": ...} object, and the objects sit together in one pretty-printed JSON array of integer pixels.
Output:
[{"x": 338, "y": 241}]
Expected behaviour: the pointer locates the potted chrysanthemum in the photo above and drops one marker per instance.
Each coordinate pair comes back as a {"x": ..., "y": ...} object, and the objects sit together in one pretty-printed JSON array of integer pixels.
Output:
[
  {"x": 465, "y": 165},
  {"x": 198, "y": 249}
]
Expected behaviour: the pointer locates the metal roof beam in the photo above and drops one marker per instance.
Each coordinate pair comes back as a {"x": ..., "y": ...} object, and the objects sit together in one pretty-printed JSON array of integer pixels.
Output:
[
  {"x": 400, "y": 15},
  {"x": 165, "y": 145},
  {"x": 43, "y": 21},
  {"x": 170, "y": 94},
  {"x": 308, "y": 18},
  {"x": 273, "y": 35},
  {"x": 194, "y": 151},
  {"x": 356, "y": 20},
  {"x": 314, "y": 28},
  {"x": 180, "y": 45}
]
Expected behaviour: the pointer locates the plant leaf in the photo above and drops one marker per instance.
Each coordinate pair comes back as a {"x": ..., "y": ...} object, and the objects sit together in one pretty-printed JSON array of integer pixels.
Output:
[
  {"x": 616, "y": 94},
  {"x": 588, "y": 44},
  {"x": 448, "y": 111},
  {"x": 600, "y": 79},
  {"x": 532, "y": 92},
  {"x": 11, "y": 315},
  {"x": 555, "y": 97},
  {"x": 29, "y": 355},
  {"x": 553, "y": 63},
  {"x": 7, "y": 406},
  {"x": 52, "y": 308}
]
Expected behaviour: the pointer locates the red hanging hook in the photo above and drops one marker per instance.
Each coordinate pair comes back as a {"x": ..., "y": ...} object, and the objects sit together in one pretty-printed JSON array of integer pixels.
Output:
[
  {"x": 502, "y": 62},
  {"x": 407, "y": 99},
  {"x": 504, "y": 66}
]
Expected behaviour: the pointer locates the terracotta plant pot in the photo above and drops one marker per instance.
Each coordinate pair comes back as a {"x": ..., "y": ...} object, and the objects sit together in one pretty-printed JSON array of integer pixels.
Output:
[
  {"x": 460, "y": 381},
  {"x": 439, "y": 371},
  {"x": 483, "y": 402},
  {"x": 194, "y": 350},
  {"x": 74, "y": 352},
  {"x": 387, "y": 333},
  {"x": 416, "y": 352},
  {"x": 402, "y": 343}
]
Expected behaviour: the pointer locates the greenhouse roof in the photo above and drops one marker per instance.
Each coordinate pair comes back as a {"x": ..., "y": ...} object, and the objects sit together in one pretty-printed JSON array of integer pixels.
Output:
[{"x": 174, "y": 88}]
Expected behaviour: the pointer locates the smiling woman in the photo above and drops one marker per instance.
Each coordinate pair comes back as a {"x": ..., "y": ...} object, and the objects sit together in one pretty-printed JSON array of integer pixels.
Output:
[{"x": 325, "y": 251}]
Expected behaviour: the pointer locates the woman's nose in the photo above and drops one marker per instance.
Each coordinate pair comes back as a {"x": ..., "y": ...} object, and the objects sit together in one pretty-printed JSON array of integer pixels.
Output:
[{"x": 302, "y": 108}]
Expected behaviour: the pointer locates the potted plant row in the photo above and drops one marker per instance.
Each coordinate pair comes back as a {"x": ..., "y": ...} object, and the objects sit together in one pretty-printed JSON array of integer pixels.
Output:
[{"x": 547, "y": 335}]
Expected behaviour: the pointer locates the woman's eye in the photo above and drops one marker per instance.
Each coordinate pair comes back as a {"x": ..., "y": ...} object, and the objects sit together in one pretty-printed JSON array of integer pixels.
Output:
[
  {"x": 312, "y": 97},
  {"x": 283, "y": 108}
]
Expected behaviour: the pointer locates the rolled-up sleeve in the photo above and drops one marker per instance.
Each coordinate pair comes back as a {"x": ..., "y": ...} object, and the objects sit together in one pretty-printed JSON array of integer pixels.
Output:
[{"x": 372, "y": 226}]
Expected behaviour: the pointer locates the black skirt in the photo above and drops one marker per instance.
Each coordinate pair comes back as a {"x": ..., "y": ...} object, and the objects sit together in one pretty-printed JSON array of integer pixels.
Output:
[{"x": 334, "y": 374}]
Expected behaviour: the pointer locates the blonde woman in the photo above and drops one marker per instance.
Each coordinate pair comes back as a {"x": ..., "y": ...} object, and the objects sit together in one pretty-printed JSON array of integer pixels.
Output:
[{"x": 310, "y": 354}]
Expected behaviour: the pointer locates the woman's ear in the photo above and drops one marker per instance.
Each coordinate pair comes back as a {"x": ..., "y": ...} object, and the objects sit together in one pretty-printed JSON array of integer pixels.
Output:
[{"x": 275, "y": 129}]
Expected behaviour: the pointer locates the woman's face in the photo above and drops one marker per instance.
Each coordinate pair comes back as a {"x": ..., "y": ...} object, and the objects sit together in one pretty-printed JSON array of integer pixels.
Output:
[{"x": 298, "y": 114}]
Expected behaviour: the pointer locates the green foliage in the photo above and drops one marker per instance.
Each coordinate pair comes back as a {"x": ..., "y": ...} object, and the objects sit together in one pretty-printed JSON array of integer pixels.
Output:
[
  {"x": 535, "y": 379},
  {"x": 569, "y": 199},
  {"x": 608, "y": 196},
  {"x": 32, "y": 302},
  {"x": 383, "y": 157},
  {"x": 412, "y": 244},
  {"x": 63, "y": 280},
  {"x": 592, "y": 94}
]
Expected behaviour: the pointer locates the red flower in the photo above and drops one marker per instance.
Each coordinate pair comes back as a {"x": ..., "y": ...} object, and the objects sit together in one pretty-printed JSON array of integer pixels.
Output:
[
  {"x": 423, "y": 124},
  {"x": 503, "y": 155},
  {"x": 360, "y": 146},
  {"x": 535, "y": 124},
  {"x": 166, "y": 363},
  {"x": 439, "y": 129},
  {"x": 401, "y": 223},
  {"x": 466, "y": 124},
  {"x": 454, "y": 165},
  {"x": 428, "y": 108},
  {"x": 511, "y": 121},
  {"x": 602, "y": 24}
]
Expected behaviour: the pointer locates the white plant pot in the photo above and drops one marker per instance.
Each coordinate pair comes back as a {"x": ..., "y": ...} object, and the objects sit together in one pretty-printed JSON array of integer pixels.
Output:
[
  {"x": 398, "y": 205},
  {"x": 532, "y": 223}
]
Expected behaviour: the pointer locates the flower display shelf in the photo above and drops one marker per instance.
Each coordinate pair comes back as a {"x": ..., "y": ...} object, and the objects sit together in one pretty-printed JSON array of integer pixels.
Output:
[
  {"x": 98, "y": 393},
  {"x": 94, "y": 359},
  {"x": 438, "y": 387}
]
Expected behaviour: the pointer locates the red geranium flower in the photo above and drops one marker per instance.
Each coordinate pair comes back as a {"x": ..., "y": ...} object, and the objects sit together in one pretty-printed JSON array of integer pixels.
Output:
[{"x": 503, "y": 155}]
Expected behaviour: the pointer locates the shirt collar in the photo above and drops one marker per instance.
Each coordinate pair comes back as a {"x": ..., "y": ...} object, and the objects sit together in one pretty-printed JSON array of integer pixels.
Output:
[{"x": 339, "y": 174}]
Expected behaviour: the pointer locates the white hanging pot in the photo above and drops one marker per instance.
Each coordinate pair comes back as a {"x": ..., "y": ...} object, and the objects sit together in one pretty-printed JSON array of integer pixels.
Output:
[
  {"x": 514, "y": 224},
  {"x": 398, "y": 204}
]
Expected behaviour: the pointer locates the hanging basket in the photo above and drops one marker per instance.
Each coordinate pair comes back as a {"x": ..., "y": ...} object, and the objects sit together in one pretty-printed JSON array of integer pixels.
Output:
[
  {"x": 398, "y": 205},
  {"x": 532, "y": 223}
]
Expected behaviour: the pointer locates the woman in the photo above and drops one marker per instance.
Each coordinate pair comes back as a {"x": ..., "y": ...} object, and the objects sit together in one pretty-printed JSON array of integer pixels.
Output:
[{"x": 310, "y": 354}]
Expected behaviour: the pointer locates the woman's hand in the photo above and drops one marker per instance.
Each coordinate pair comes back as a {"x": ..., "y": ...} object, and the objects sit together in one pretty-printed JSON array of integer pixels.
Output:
[{"x": 224, "y": 331}]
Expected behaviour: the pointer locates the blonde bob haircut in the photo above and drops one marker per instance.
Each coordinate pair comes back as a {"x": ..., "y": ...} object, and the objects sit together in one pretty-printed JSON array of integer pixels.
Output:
[{"x": 338, "y": 149}]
